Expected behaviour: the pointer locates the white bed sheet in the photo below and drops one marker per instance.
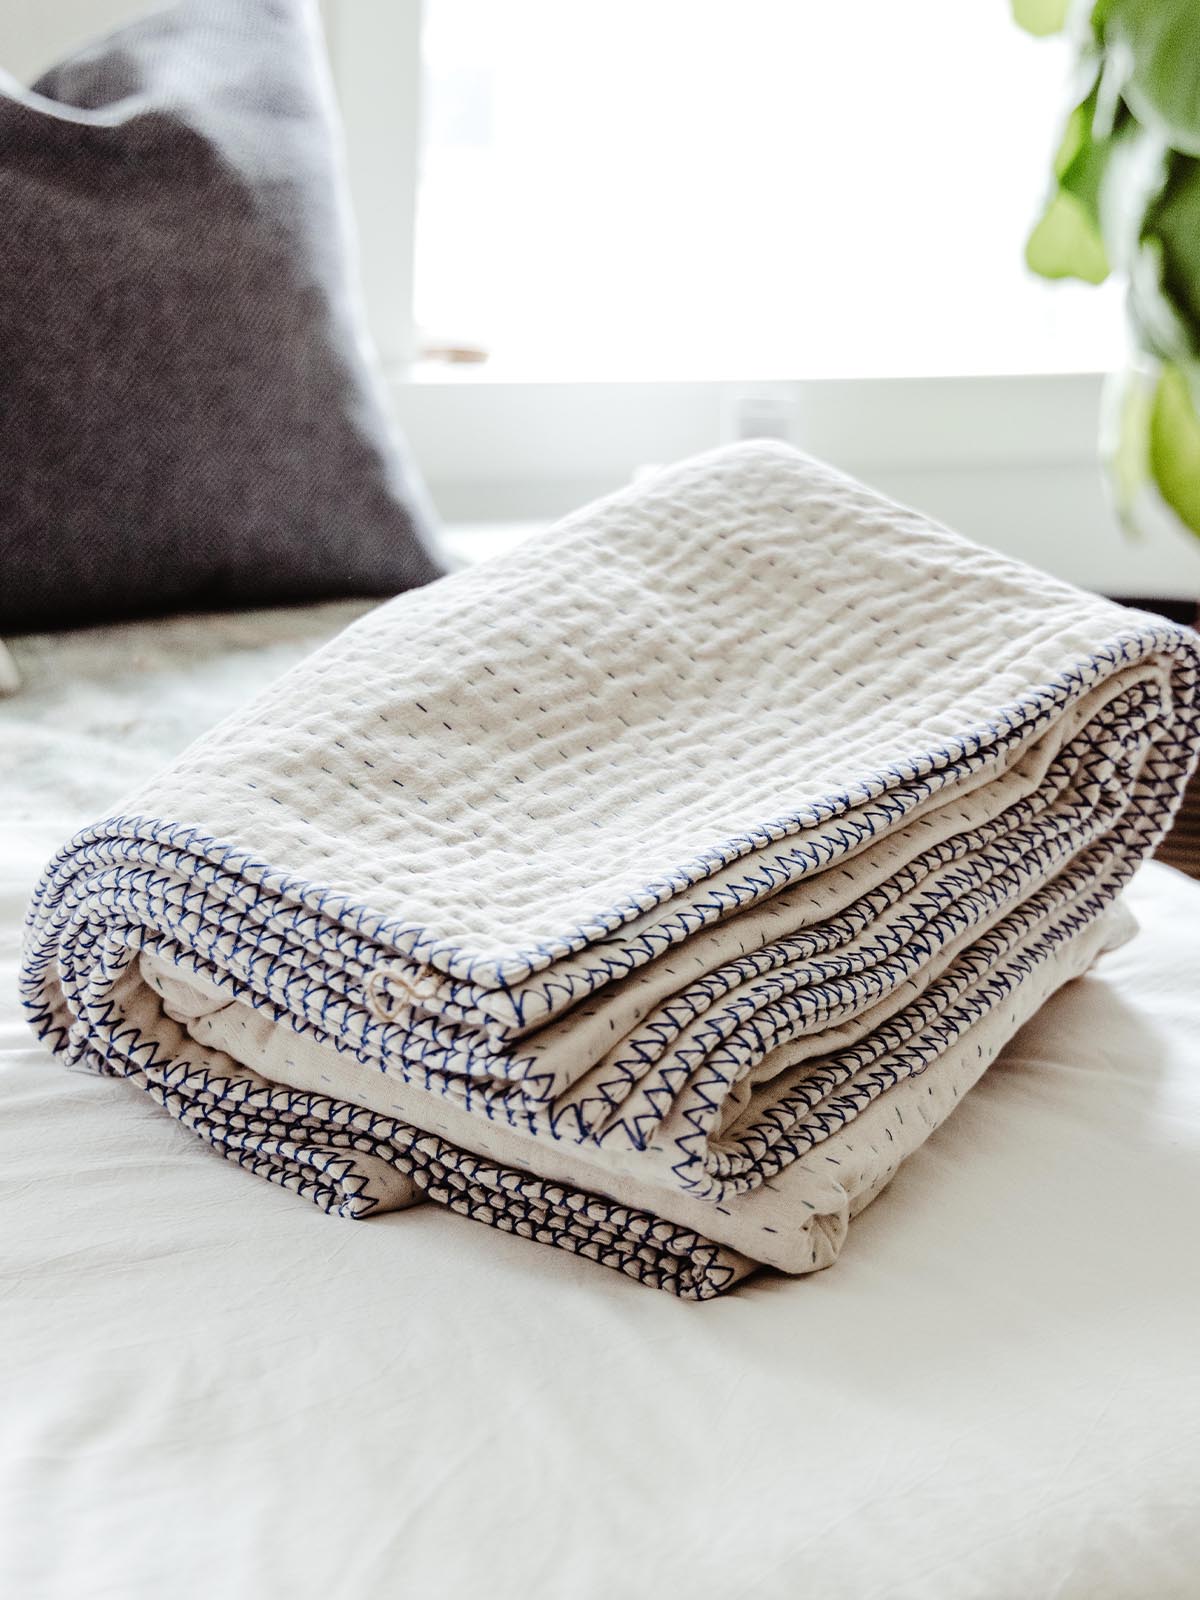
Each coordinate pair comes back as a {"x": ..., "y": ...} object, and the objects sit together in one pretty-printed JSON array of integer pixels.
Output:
[{"x": 210, "y": 1388}]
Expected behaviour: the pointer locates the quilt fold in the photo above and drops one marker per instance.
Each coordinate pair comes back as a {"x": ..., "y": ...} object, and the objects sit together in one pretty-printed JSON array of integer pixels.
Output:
[{"x": 652, "y": 891}]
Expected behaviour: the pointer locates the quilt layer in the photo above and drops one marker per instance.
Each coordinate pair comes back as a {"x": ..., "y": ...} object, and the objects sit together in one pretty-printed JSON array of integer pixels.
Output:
[{"x": 652, "y": 891}]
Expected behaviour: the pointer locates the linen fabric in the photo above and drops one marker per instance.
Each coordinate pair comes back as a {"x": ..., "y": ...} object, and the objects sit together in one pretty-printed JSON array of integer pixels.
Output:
[
  {"x": 653, "y": 891},
  {"x": 189, "y": 411}
]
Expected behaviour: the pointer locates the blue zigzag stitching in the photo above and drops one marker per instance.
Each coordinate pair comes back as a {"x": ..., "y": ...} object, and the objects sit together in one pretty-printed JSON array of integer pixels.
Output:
[
  {"x": 308, "y": 1143},
  {"x": 1033, "y": 848}
]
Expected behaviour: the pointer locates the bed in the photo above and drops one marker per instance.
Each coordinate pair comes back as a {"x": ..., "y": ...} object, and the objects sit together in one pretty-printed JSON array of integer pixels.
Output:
[{"x": 212, "y": 1388}]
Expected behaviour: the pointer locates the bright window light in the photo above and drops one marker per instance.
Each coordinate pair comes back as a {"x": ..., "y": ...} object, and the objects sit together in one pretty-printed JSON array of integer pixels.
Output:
[{"x": 727, "y": 188}]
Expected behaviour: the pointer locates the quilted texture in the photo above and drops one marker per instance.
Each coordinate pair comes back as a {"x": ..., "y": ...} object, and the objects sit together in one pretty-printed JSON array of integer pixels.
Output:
[
  {"x": 653, "y": 891},
  {"x": 188, "y": 417}
]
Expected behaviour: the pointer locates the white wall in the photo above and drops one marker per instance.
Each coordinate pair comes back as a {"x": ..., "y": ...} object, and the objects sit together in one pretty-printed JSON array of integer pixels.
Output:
[
  {"x": 36, "y": 33},
  {"x": 1011, "y": 462}
]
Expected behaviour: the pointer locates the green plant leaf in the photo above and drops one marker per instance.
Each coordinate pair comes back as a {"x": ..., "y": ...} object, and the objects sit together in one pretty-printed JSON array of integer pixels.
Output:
[
  {"x": 1113, "y": 180},
  {"x": 1132, "y": 176},
  {"x": 1125, "y": 439},
  {"x": 1173, "y": 219},
  {"x": 1041, "y": 17},
  {"x": 1065, "y": 242},
  {"x": 1175, "y": 446},
  {"x": 1164, "y": 271},
  {"x": 1155, "y": 325},
  {"x": 1083, "y": 175},
  {"x": 1157, "y": 43}
]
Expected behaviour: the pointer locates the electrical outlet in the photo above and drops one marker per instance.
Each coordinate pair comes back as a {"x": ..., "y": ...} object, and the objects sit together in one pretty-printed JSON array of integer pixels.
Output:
[{"x": 757, "y": 414}]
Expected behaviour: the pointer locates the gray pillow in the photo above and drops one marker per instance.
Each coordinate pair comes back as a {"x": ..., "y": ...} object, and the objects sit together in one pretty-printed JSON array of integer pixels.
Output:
[{"x": 188, "y": 413}]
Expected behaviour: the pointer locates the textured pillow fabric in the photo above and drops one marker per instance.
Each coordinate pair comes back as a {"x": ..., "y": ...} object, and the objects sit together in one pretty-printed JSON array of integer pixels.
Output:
[{"x": 188, "y": 413}]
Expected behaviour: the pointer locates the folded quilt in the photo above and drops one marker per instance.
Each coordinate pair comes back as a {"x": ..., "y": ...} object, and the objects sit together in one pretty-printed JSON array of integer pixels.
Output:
[{"x": 651, "y": 892}]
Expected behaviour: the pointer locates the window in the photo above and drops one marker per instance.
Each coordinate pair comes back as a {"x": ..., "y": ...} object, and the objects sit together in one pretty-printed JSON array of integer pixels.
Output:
[{"x": 768, "y": 188}]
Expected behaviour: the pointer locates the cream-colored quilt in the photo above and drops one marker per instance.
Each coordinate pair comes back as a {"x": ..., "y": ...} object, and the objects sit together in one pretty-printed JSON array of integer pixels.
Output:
[{"x": 651, "y": 892}]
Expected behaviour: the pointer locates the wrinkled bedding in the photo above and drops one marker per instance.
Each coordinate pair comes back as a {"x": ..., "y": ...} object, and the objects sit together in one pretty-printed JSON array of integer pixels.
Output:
[
  {"x": 652, "y": 892},
  {"x": 209, "y": 1388}
]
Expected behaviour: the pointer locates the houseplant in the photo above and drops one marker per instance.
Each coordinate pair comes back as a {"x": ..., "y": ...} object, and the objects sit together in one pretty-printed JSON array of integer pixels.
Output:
[{"x": 1125, "y": 199}]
